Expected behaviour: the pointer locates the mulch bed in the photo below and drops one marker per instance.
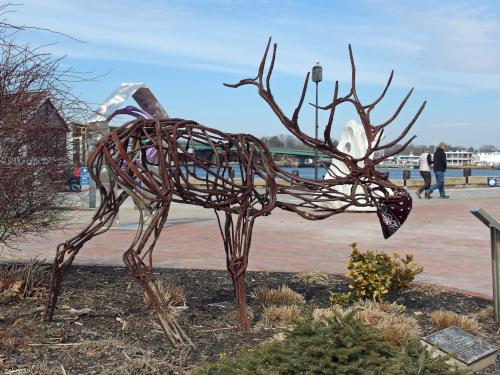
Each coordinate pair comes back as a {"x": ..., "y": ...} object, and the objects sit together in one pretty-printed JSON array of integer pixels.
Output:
[{"x": 119, "y": 336}]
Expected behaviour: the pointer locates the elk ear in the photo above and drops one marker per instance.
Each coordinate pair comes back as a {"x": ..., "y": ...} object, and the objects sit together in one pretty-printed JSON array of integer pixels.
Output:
[{"x": 393, "y": 211}]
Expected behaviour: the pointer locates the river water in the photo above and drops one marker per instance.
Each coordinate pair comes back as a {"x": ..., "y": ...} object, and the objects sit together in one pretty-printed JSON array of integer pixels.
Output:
[
  {"x": 394, "y": 173},
  {"x": 397, "y": 173}
]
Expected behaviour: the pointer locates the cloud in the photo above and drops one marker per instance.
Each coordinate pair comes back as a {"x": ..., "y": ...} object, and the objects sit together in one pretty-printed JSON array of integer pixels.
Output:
[
  {"x": 461, "y": 37},
  {"x": 458, "y": 45},
  {"x": 448, "y": 50},
  {"x": 450, "y": 47}
]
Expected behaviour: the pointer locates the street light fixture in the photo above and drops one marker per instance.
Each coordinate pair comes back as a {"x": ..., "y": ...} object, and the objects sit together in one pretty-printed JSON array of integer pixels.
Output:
[{"x": 316, "y": 76}]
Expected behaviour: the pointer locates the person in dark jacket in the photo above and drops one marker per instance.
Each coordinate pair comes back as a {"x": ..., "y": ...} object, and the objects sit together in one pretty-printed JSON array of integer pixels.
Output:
[{"x": 439, "y": 163}]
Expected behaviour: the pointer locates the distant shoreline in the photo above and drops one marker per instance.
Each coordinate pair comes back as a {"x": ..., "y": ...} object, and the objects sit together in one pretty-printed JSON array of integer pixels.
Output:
[
  {"x": 449, "y": 167},
  {"x": 403, "y": 167}
]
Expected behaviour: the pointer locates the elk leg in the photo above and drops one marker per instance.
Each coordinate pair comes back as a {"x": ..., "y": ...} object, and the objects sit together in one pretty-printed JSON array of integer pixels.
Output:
[
  {"x": 140, "y": 266},
  {"x": 237, "y": 239},
  {"x": 67, "y": 251},
  {"x": 237, "y": 269}
]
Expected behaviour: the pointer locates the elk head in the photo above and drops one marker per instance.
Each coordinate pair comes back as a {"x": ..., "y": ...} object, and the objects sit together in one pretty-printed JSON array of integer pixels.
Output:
[{"x": 393, "y": 203}]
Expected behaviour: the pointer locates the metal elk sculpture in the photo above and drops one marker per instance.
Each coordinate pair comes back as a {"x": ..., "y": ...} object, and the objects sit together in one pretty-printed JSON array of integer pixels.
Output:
[{"x": 157, "y": 162}]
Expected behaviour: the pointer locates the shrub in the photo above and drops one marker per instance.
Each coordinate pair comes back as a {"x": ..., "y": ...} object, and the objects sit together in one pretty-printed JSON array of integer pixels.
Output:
[
  {"x": 443, "y": 319},
  {"x": 397, "y": 328},
  {"x": 283, "y": 296},
  {"x": 374, "y": 273},
  {"x": 404, "y": 271},
  {"x": 341, "y": 298},
  {"x": 344, "y": 346}
]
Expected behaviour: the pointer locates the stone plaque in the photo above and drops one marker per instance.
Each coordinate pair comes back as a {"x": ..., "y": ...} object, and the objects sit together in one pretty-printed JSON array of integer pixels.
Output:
[{"x": 468, "y": 348}]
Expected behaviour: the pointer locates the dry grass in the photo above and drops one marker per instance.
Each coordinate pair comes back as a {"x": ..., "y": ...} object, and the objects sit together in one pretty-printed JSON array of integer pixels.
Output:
[
  {"x": 443, "y": 319},
  {"x": 7, "y": 340},
  {"x": 284, "y": 296},
  {"x": 398, "y": 328},
  {"x": 171, "y": 292},
  {"x": 313, "y": 278},
  {"x": 487, "y": 312},
  {"x": 42, "y": 368},
  {"x": 27, "y": 280},
  {"x": 143, "y": 365},
  {"x": 389, "y": 318},
  {"x": 280, "y": 336},
  {"x": 282, "y": 315},
  {"x": 430, "y": 290},
  {"x": 392, "y": 308},
  {"x": 326, "y": 316},
  {"x": 130, "y": 366},
  {"x": 95, "y": 347}
]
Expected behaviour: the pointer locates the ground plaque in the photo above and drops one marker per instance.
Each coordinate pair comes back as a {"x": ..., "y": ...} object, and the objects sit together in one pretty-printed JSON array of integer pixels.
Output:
[{"x": 470, "y": 351}]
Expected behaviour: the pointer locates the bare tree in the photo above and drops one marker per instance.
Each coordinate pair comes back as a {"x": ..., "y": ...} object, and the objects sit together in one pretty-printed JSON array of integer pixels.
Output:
[
  {"x": 286, "y": 141},
  {"x": 36, "y": 105}
]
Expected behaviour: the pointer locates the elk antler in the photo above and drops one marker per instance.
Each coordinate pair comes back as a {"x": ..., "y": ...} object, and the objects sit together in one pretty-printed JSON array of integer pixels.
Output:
[
  {"x": 292, "y": 125},
  {"x": 373, "y": 132}
]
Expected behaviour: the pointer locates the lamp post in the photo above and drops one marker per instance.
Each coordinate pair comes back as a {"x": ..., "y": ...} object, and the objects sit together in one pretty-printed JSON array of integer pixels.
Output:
[{"x": 316, "y": 76}]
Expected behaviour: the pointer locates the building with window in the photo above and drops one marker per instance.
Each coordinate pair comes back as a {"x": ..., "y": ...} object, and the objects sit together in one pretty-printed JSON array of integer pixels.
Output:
[
  {"x": 458, "y": 158},
  {"x": 407, "y": 160},
  {"x": 487, "y": 158},
  {"x": 453, "y": 159}
]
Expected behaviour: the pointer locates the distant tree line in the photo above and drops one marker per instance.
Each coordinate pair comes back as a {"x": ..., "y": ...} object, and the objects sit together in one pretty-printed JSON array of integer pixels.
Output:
[
  {"x": 286, "y": 141},
  {"x": 289, "y": 141}
]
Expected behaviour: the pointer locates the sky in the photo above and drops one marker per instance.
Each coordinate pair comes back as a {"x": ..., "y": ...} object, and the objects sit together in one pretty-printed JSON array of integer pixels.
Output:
[{"x": 449, "y": 51}]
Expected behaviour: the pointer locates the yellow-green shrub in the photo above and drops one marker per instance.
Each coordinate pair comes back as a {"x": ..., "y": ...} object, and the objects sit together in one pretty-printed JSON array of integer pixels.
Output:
[
  {"x": 374, "y": 273},
  {"x": 404, "y": 271},
  {"x": 341, "y": 298}
]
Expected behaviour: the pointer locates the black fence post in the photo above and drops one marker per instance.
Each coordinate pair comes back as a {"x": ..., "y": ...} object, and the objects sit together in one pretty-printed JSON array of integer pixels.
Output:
[
  {"x": 406, "y": 175},
  {"x": 467, "y": 173}
]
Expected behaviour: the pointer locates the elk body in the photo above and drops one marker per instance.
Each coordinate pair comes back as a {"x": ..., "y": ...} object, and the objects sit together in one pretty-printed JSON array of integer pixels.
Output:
[{"x": 157, "y": 162}]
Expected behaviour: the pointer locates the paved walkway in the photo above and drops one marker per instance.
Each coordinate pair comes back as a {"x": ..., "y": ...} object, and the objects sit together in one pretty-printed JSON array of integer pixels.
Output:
[{"x": 450, "y": 243}]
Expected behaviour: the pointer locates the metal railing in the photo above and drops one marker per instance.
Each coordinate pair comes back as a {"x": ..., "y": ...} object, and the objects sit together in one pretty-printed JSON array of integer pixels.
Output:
[{"x": 494, "y": 226}]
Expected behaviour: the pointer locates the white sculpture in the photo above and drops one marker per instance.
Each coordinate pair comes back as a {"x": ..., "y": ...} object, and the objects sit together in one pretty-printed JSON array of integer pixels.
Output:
[
  {"x": 353, "y": 142},
  {"x": 142, "y": 95}
]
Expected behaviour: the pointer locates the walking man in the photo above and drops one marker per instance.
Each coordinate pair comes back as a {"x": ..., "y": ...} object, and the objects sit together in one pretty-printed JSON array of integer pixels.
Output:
[
  {"x": 425, "y": 171},
  {"x": 439, "y": 170}
]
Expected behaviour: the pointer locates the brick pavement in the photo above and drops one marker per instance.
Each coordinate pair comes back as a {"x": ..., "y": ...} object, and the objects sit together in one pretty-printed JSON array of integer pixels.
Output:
[{"x": 451, "y": 244}]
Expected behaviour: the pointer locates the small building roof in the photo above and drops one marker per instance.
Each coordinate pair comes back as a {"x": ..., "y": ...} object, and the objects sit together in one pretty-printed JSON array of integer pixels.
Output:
[{"x": 30, "y": 104}]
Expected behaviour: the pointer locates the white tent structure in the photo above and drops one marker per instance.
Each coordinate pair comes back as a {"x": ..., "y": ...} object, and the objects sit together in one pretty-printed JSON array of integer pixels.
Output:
[
  {"x": 139, "y": 92},
  {"x": 352, "y": 141},
  {"x": 98, "y": 126}
]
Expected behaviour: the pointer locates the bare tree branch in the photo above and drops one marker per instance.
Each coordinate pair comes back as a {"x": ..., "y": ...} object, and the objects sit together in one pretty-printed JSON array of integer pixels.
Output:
[{"x": 36, "y": 107}]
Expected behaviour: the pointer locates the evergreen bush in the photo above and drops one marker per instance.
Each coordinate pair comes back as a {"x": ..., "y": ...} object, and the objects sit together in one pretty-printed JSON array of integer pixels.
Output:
[{"x": 343, "y": 346}]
